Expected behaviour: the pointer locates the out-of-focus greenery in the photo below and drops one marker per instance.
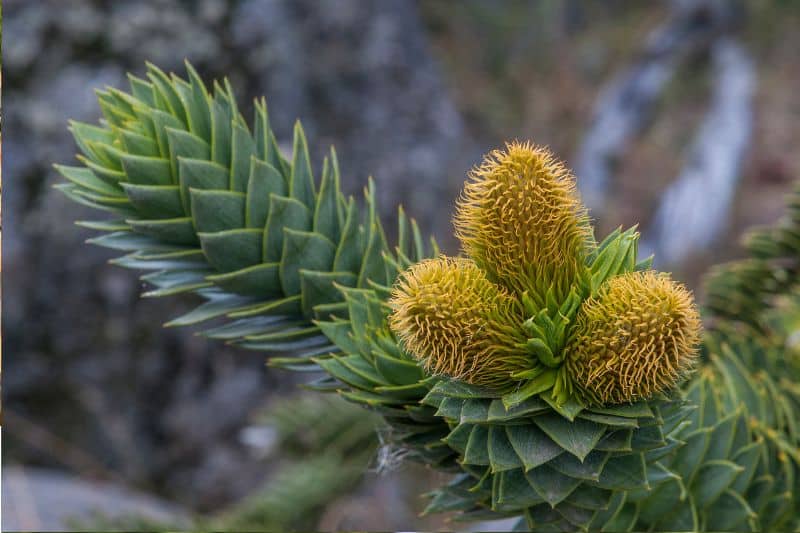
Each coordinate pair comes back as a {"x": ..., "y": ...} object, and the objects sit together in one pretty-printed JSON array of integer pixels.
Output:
[{"x": 326, "y": 445}]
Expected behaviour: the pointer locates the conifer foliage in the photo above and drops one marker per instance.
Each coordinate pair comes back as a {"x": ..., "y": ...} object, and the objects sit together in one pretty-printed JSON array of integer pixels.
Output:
[
  {"x": 555, "y": 375},
  {"x": 213, "y": 208}
]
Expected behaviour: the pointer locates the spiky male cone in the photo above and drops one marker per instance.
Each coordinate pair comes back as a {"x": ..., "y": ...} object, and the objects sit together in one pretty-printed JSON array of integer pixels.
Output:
[
  {"x": 520, "y": 218},
  {"x": 636, "y": 337},
  {"x": 457, "y": 323}
]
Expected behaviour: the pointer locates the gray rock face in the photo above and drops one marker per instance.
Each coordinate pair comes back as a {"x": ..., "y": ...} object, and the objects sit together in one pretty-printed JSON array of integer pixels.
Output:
[
  {"x": 89, "y": 361},
  {"x": 37, "y": 499}
]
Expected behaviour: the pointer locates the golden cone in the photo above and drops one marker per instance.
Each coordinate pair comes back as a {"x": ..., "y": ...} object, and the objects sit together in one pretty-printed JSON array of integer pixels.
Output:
[
  {"x": 636, "y": 337},
  {"x": 520, "y": 218},
  {"x": 457, "y": 323}
]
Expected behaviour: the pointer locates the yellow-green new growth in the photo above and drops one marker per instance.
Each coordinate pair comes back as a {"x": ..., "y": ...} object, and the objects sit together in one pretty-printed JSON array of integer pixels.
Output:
[
  {"x": 520, "y": 218},
  {"x": 636, "y": 337},
  {"x": 458, "y": 323}
]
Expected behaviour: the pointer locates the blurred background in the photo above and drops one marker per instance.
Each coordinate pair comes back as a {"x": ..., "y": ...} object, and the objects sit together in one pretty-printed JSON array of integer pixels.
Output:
[{"x": 679, "y": 115}]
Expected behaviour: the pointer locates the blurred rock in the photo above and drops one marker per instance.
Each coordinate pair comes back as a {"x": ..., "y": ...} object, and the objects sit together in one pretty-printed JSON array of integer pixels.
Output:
[{"x": 37, "y": 499}]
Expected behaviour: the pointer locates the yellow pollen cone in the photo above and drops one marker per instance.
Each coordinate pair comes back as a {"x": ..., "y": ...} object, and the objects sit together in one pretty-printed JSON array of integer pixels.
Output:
[
  {"x": 457, "y": 323},
  {"x": 520, "y": 218},
  {"x": 636, "y": 337}
]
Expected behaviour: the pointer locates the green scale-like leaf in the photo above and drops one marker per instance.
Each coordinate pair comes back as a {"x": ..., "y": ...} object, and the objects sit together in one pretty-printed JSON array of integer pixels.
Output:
[
  {"x": 716, "y": 469},
  {"x": 184, "y": 171},
  {"x": 593, "y": 455}
]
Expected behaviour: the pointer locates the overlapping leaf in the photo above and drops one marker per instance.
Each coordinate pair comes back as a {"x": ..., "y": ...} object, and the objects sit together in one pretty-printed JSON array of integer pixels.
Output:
[{"x": 213, "y": 208}]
